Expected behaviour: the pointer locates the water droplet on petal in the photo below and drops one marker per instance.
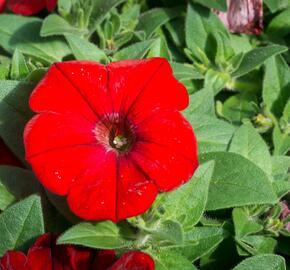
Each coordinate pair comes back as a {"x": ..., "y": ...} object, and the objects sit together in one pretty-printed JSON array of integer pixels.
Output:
[{"x": 57, "y": 174}]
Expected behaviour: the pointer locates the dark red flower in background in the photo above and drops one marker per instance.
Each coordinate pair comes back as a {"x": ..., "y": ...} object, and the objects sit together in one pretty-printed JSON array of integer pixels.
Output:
[
  {"x": 7, "y": 157},
  {"x": 27, "y": 7},
  {"x": 44, "y": 254},
  {"x": 244, "y": 16},
  {"x": 110, "y": 137}
]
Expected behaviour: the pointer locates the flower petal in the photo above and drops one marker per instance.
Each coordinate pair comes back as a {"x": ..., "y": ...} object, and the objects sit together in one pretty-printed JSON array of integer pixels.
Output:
[
  {"x": 75, "y": 257},
  {"x": 124, "y": 80},
  {"x": 99, "y": 187},
  {"x": 112, "y": 193},
  {"x": 50, "y": 131},
  {"x": 26, "y": 7},
  {"x": 136, "y": 192},
  {"x": 171, "y": 130},
  {"x": 55, "y": 93},
  {"x": 40, "y": 253},
  {"x": 14, "y": 260},
  {"x": 104, "y": 259},
  {"x": 2, "y": 5},
  {"x": 134, "y": 260},
  {"x": 59, "y": 169},
  {"x": 157, "y": 90},
  {"x": 167, "y": 168},
  {"x": 51, "y": 4},
  {"x": 46, "y": 255},
  {"x": 90, "y": 79}
]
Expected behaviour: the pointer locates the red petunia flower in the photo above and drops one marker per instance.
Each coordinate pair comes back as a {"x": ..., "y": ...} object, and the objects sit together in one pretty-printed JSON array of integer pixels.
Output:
[
  {"x": 7, "y": 157},
  {"x": 110, "y": 137},
  {"x": 46, "y": 255},
  {"x": 2, "y": 5},
  {"x": 134, "y": 261},
  {"x": 244, "y": 16},
  {"x": 27, "y": 7}
]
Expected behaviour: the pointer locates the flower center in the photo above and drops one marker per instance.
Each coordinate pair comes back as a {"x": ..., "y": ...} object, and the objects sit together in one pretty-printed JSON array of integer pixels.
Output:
[
  {"x": 120, "y": 142},
  {"x": 115, "y": 133}
]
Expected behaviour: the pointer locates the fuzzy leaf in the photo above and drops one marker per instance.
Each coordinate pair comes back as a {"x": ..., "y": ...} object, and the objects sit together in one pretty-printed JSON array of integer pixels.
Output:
[
  {"x": 190, "y": 198},
  {"x": 23, "y": 33},
  {"x": 102, "y": 235},
  {"x": 151, "y": 20},
  {"x": 85, "y": 50},
  {"x": 248, "y": 143},
  {"x": 20, "y": 224},
  {"x": 256, "y": 57},
  {"x": 237, "y": 181},
  {"x": 262, "y": 262},
  {"x": 212, "y": 134}
]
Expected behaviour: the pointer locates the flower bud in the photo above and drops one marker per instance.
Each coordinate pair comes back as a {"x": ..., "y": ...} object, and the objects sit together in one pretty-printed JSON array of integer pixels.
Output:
[{"x": 243, "y": 16}]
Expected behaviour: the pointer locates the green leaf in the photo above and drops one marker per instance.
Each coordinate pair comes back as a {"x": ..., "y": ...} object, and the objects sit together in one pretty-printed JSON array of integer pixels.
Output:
[
  {"x": 36, "y": 75},
  {"x": 256, "y": 244},
  {"x": 281, "y": 142},
  {"x": 167, "y": 230},
  {"x": 135, "y": 51},
  {"x": 262, "y": 262},
  {"x": 216, "y": 80},
  {"x": 201, "y": 103},
  {"x": 175, "y": 30},
  {"x": 4, "y": 72},
  {"x": 14, "y": 113},
  {"x": 23, "y": 33},
  {"x": 123, "y": 38},
  {"x": 212, "y": 134},
  {"x": 64, "y": 7},
  {"x": 248, "y": 143},
  {"x": 237, "y": 181},
  {"x": 183, "y": 71},
  {"x": 280, "y": 166},
  {"x": 200, "y": 24},
  {"x": 256, "y": 57},
  {"x": 275, "y": 5},
  {"x": 276, "y": 85},
  {"x": 20, "y": 224},
  {"x": 286, "y": 111},
  {"x": 18, "y": 184},
  {"x": 245, "y": 224},
  {"x": 54, "y": 25},
  {"x": 205, "y": 238},
  {"x": 19, "y": 69},
  {"x": 6, "y": 198},
  {"x": 167, "y": 260},
  {"x": 241, "y": 44},
  {"x": 100, "y": 8},
  {"x": 102, "y": 235},
  {"x": 224, "y": 51},
  {"x": 160, "y": 49},
  {"x": 239, "y": 107},
  {"x": 281, "y": 187},
  {"x": 279, "y": 26},
  {"x": 151, "y": 20},
  {"x": 190, "y": 198},
  {"x": 85, "y": 50},
  {"x": 216, "y": 4}
]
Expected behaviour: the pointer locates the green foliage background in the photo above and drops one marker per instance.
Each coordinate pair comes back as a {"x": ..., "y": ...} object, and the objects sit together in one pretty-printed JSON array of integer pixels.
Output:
[{"x": 228, "y": 215}]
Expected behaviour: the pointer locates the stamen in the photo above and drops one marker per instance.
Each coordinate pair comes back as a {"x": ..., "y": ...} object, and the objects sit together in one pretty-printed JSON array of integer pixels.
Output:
[
  {"x": 115, "y": 133},
  {"x": 120, "y": 141}
]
